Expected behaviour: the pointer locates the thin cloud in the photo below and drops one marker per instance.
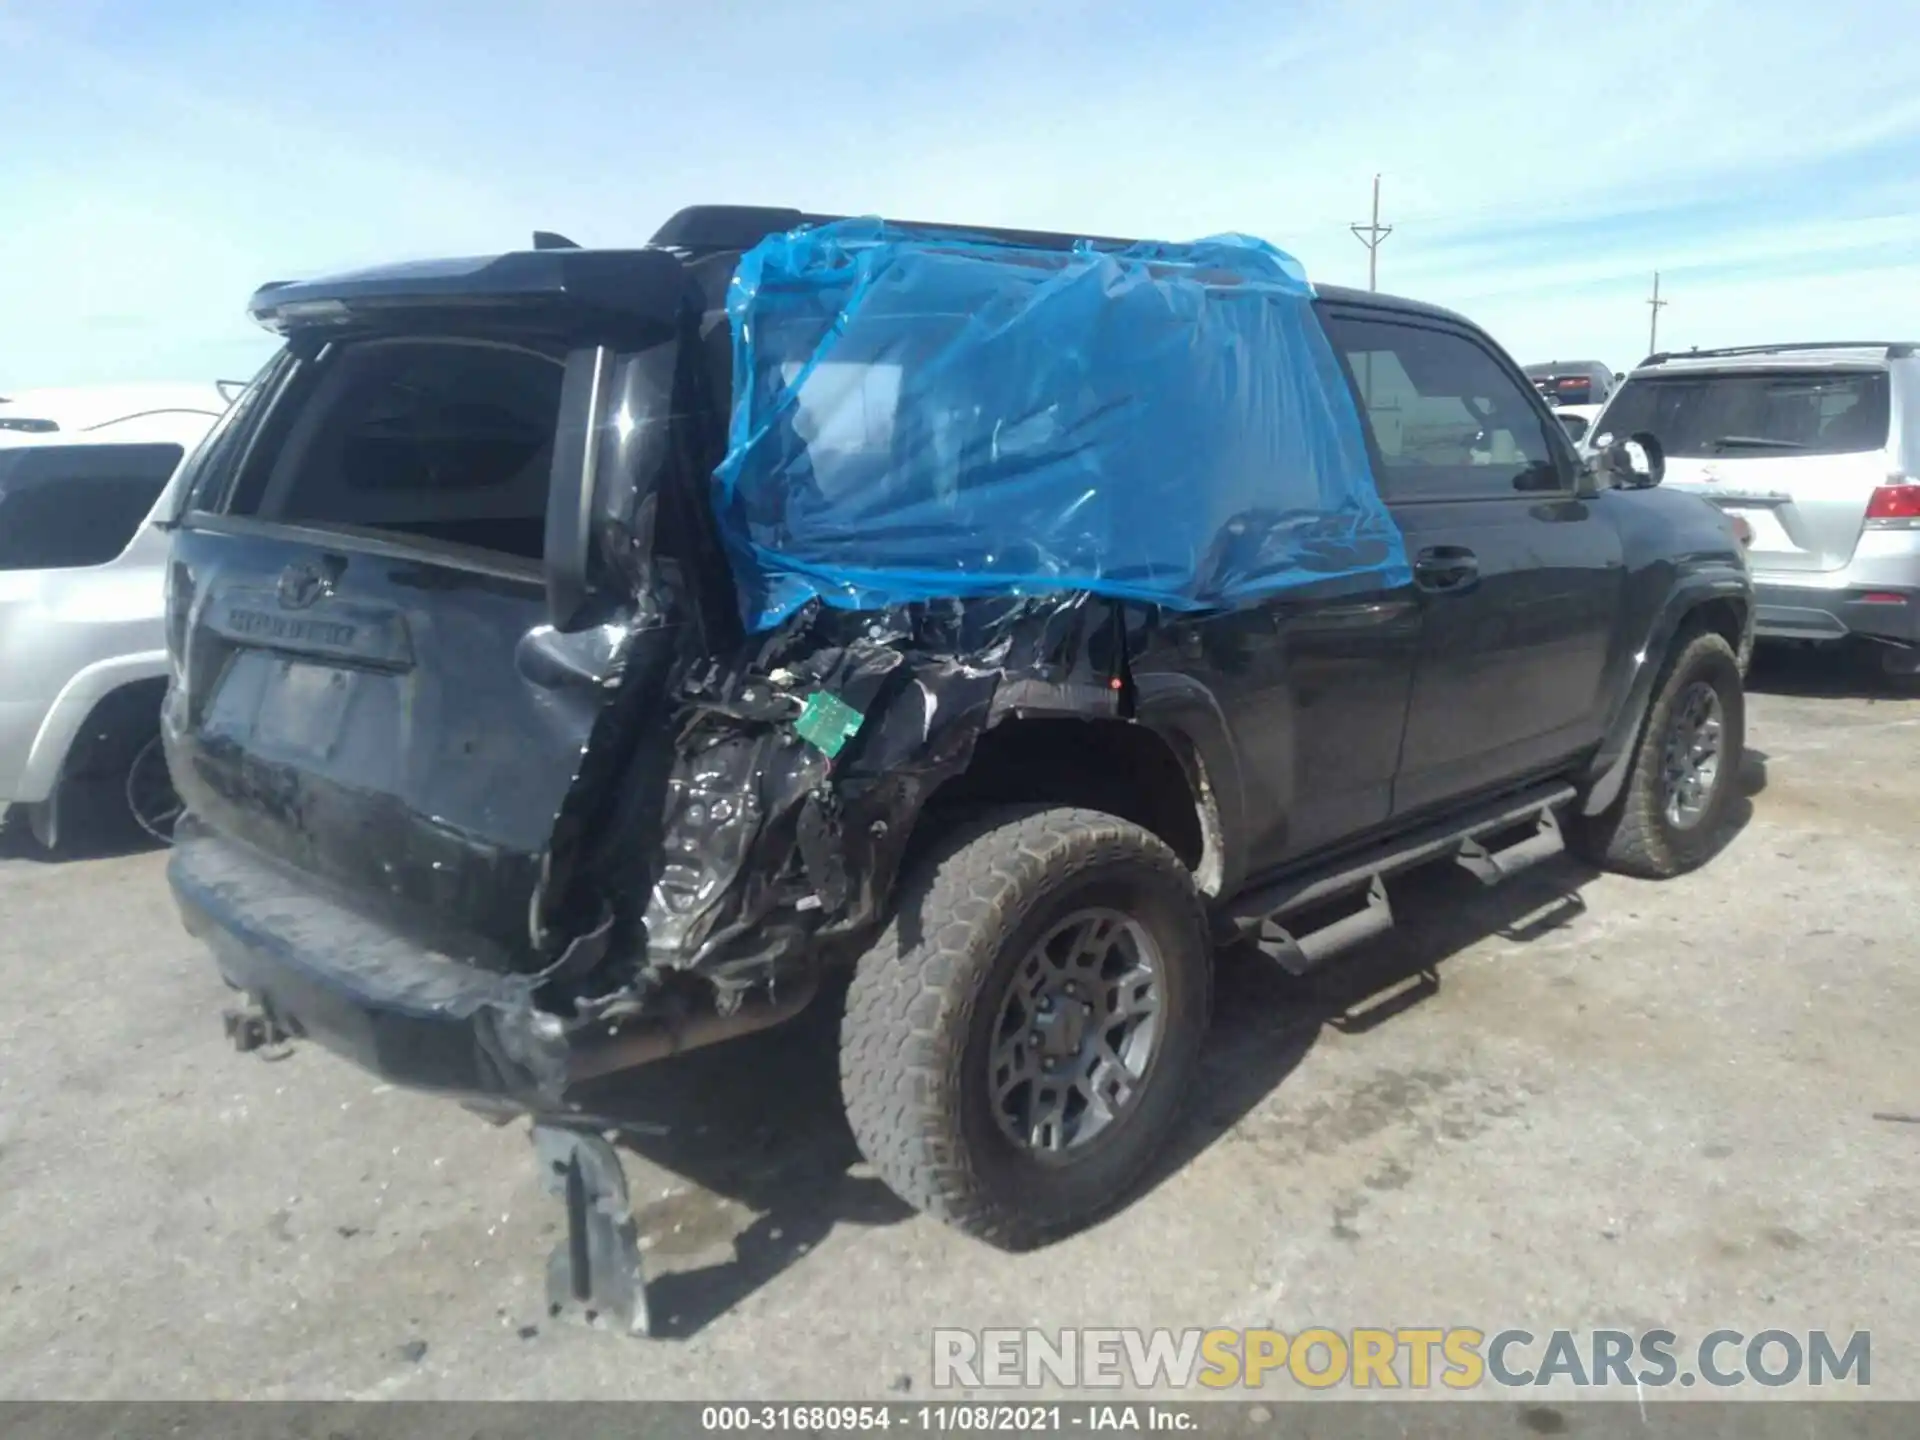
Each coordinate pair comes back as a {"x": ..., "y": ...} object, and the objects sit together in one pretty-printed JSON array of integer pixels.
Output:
[{"x": 1764, "y": 157}]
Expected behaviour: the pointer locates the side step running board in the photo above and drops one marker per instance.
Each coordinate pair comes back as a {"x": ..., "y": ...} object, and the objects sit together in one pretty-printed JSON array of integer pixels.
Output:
[
  {"x": 1490, "y": 867},
  {"x": 1262, "y": 914},
  {"x": 1300, "y": 953}
]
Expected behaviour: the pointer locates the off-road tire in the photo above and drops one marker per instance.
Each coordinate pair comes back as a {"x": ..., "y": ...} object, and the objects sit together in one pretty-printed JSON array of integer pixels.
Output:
[
  {"x": 924, "y": 999},
  {"x": 1633, "y": 836}
]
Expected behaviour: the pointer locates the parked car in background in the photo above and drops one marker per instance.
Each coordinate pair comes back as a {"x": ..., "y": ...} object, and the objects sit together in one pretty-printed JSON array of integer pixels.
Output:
[
  {"x": 1577, "y": 420},
  {"x": 83, "y": 662},
  {"x": 1817, "y": 448},
  {"x": 1572, "y": 382}
]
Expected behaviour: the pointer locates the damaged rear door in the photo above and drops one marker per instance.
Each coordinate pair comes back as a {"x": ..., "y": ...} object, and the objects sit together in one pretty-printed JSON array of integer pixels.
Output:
[{"x": 370, "y": 685}]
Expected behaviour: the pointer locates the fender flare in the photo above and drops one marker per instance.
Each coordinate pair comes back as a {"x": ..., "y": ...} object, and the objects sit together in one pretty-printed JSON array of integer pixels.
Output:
[
  {"x": 1187, "y": 716},
  {"x": 77, "y": 700},
  {"x": 1692, "y": 590}
]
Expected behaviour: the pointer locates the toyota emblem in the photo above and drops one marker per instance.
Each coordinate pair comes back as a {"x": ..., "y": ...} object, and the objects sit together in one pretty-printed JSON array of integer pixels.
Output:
[{"x": 303, "y": 583}]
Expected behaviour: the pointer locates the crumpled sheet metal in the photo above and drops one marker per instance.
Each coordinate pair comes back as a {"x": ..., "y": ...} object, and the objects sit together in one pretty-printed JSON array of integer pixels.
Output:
[
  {"x": 921, "y": 416},
  {"x": 771, "y": 844}
]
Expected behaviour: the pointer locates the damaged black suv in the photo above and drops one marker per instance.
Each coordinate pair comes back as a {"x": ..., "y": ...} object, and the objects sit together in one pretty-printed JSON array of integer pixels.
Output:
[{"x": 496, "y": 787}]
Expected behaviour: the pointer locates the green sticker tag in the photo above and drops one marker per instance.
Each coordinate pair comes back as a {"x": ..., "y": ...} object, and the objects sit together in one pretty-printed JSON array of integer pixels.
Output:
[{"x": 827, "y": 723}]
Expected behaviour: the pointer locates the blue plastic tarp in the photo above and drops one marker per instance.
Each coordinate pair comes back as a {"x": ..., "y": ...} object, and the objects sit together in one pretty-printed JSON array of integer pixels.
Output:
[{"x": 921, "y": 416}]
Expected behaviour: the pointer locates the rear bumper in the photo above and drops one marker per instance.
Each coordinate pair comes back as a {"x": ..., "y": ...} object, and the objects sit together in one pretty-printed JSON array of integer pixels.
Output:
[
  {"x": 1806, "y": 612},
  {"x": 320, "y": 971}
]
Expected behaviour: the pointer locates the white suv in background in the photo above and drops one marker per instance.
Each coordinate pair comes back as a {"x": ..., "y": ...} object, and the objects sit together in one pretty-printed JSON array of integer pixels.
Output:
[
  {"x": 83, "y": 662},
  {"x": 1817, "y": 448}
]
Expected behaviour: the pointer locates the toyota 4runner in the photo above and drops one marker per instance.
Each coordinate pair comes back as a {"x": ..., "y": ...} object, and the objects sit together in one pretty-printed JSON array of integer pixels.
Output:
[{"x": 524, "y": 741}]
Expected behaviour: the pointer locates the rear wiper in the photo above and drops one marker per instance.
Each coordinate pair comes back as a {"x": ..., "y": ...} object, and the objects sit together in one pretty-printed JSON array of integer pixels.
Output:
[{"x": 1754, "y": 442}]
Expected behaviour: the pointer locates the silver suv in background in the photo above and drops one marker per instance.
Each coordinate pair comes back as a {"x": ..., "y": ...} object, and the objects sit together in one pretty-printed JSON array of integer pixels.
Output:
[
  {"x": 1817, "y": 448},
  {"x": 83, "y": 664}
]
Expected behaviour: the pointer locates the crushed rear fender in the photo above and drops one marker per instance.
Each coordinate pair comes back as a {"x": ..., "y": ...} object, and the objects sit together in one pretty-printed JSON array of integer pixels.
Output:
[{"x": 775, "y": 819}]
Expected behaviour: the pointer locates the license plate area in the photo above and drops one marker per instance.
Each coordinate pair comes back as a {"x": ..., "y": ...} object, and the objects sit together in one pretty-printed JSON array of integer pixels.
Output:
[
  {"x": 281, "y": 708},
  {"x": 303, "y": 710},
  {"x": 1768, "y": 533}
]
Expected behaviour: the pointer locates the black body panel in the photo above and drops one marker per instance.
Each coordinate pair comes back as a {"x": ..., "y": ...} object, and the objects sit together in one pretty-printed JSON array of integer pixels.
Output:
[{"x": 487, "y": 830}]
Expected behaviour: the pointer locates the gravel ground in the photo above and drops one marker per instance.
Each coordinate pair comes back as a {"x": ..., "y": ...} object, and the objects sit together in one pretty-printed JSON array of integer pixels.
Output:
[{"x": 1620, "y": 1103}]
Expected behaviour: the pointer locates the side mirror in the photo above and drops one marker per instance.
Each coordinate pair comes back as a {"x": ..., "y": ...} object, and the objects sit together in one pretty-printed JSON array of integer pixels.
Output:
[
  {"x": 1633, "y": 462},
  {"x": 571, "y": 486}
]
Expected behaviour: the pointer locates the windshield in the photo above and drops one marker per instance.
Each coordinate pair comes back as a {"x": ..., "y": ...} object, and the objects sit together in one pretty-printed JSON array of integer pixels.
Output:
[{"x": 1826, "y": 412}]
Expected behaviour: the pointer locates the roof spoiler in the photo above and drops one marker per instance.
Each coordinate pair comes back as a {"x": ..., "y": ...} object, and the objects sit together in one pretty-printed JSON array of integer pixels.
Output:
[{"x": 643, "y": 285}]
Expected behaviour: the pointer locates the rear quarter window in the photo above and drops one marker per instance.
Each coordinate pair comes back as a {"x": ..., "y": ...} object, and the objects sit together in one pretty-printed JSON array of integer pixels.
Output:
[{"x": 70, "y": 506}]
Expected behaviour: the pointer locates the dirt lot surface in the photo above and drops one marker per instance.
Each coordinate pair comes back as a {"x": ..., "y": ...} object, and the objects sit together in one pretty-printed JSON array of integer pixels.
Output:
[{"x": 1622, "y": 1103}]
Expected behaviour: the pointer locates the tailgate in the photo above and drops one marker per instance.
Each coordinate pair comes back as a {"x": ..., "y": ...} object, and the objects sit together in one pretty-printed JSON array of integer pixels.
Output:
[
  {"x": 1806, "y": 512},
  {"x": 366, "y": 685},
  {"x": 1795, "y": 447},
  {"x": 361, "y": 716}
]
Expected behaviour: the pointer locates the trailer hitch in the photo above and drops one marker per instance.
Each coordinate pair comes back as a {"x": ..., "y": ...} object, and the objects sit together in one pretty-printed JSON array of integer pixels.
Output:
[
  {"x": 594, "y": 1275},
  {"x": 254, "y": 1029}
]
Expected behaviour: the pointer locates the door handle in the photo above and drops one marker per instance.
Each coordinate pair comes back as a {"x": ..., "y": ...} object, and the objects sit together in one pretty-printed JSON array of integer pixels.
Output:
[{"x": 1444, "y": 568}]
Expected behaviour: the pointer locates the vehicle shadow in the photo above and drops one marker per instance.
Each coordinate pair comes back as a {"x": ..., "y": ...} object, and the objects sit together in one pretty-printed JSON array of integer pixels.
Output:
[
  {"x": 755, "y": 1126},
  {"x": 16, "y": 837},
  {"x": 755, "y": 1130},
  {"x": 1267, "y": 1021},
  {"x": 104, "y": 840},
  {"x": 1828, "y": 672}
]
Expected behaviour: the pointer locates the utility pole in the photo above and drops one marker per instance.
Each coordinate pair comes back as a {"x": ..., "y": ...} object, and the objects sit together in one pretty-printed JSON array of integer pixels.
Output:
[
  {"x": 1653, "y": 325},
  {"x": 1370, "y": 235}
]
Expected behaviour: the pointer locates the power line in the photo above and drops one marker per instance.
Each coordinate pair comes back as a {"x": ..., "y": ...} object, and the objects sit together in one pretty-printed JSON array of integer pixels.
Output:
[
  {"x": 1370, "y": 235},
  {"x": 1653, "y": 324}
]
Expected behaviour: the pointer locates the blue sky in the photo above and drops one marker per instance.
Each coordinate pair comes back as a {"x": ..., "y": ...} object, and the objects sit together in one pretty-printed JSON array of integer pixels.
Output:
[{"x": 1540, "y": 161}]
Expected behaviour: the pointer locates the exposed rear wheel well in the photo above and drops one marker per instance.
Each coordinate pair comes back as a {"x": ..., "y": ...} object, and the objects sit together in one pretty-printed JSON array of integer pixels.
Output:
[
  {"x": 1114, "y": 766},
  {"x": 120, "y": 723},
  {"x": 1725, "y": 618}
]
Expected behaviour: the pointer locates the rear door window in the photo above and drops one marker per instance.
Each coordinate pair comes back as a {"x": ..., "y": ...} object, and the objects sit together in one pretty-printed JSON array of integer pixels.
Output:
[
  {"x": 68, "y": 506},
  {"x": 1820, "y": 412},
  {"x": 1448, "y": 421}
]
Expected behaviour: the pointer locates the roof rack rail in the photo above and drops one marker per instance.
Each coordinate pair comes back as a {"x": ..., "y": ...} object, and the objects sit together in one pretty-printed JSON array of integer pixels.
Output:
[
  {"x": 1896, "y": 350},
  {"x": 741, "y": 227}
]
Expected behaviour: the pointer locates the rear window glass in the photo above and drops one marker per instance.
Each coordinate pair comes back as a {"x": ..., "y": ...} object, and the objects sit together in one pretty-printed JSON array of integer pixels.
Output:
[
  {"x": 1824, "y": 412},
  {"x": 64, "y": 507},
  {"x": 443, "y": 439}
]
